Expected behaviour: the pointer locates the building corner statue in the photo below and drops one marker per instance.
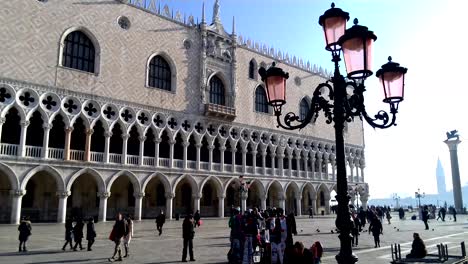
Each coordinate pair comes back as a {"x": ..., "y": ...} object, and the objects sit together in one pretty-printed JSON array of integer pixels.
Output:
[
  {"x": 452, "y": 141},
  {"x": 216, "y": 18}
]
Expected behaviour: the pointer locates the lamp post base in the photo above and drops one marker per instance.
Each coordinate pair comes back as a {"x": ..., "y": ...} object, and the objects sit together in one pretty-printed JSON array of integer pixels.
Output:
[{"x": 349, "y": 259}]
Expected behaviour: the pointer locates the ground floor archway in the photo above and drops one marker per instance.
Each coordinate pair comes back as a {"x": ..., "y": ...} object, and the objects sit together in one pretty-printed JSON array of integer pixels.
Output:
[
  {"x": 5, "y": 198},
  {"x": 122, "y": 199},
  {"x": 83, "y": 201},
  {"x": 155, "y": 198},
  {"x": 40, "y": 203}
]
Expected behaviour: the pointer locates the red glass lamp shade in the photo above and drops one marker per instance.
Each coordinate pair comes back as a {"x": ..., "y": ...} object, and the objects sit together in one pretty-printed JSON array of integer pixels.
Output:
[
  {"x": 333, "y": 22},
  {"x": 392, "y": 78},
  {"x": 275, "y": 82},
  {"x": 357, "y": 51}
]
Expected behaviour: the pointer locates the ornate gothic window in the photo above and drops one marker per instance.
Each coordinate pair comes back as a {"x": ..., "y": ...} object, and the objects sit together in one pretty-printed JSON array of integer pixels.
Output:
[
  {"x": 303, "y": 109},
  {"x": 261, "y": 104},
  {"x": 78, "y": 52},
  {"x": 217, "y": 91},
  {"x": 252, "y": 69},
  {"x": 159, "y": 75}
]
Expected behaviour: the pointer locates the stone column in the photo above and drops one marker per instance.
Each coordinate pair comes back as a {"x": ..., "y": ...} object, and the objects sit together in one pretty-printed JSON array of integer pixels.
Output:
[
  {"x": 361, "y": 166},
  {"x": 196, "y": 202},
  {"x": 319, "y": 162},
  {"x": 254, "y": 161},
  {"x": 66, "y": 153},
  {"x": 138, "y": 205},
  {"x": 314, "y": 206},
  {"x": 298, "y": 165},
  {"x": 298, "y": 205},
  {"x": 457, "y": 194},
  {"x": 142, "y": 150},
  {"x": 185, "y": 144},
  {"x": 233, "y": 158},
  {"x": 87, "y": 155},
  {"x": 2, "y": 121},
  {"x": 221, "y": 150},
  {"x": 45, "y": 141},
  {"x": 351, "y": 171},
  {"x": 103, "y": 205},
  {"x": 210, "y": 157},
  {"x": 333, "y": 163},
  {"x": 197, "y": 163},
  {"x": 306, "y": 167},
  {"x": 282, "y": 202},
  {"x": 169, "y": 199},
  {"x": 244, "y": 196},
  {"x": 107, "y": 136},
  {"x": 124, "y": 147},
  {"x": 22, "y": 143},
  {"x": 264, "y": 205},
  {"x": 221, "y": 205},
  {"x": 17, "y": 197},
  {"x": 290, "y": 156},
  {"x": 156, "y": 151},
  {"x": 312, "y": 167},
  {"x": 273, "y": 166},
  {"x": 244, "y": 159},
  {"x": 62, "y": 206},
  {"x": 280, "y": 164},
  {"x": 264, "y": 154},
  {"x": 171, "y": 153}
]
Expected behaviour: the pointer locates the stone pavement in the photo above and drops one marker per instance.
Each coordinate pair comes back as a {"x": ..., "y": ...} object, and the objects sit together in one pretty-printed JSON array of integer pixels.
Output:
[{"x": 211, "y": 242}]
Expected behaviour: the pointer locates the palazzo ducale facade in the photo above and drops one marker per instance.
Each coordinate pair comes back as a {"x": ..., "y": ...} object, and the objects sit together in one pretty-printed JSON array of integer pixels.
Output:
[{"x": 117, "y": 106}]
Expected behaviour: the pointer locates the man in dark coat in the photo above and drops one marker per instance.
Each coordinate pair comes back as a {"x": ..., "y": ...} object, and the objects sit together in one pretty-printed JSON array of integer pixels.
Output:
[
  {"x": 118, "y": 231},
  {"x": 443, "y": 211},
  {"x": 425, "y": 216},
  {"x": 68, "y": 233},
  {"x": 376, "y": 228},
  {"x": 160, "y": 220},
  {"x": 188, "y": 232},
  {"x": 401, "y": 213},
  {"x": 418, "y": 248},
  {"x": 90, "y": 233},
  {"x": 24, "y": 232},
  {"x": 196, "y": 218},
  {"x": 78, "y": 234}
]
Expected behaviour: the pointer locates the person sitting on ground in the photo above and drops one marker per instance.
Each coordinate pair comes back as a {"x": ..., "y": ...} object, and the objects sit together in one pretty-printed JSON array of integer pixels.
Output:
[{"x": 418, "y": 248}]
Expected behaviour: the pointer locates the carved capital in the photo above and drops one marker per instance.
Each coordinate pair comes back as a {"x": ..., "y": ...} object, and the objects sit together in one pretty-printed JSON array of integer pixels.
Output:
[
  {"x": 17, "y": 193},
  {"x": 169, "y": 195},
  {"x": 24, "y": 123},
  {"x": 157, "y": 140},
  {"x": 222, "y": 148},
  {"x": 89, "y": 132},
  {"x": 222, "y": 196},
  {"x": 107, "y": 134},
  {"x": 198, "y": 145},
  {"x": 69, "y": 130},
  {"x": 142, "y": 138},
  {"x": 2, "y": 120},
  {"x": 139, "y": 195},
  {"x": 104, "y": 195},
  {"x": 185, "y": 144},
  {"x": 172, "y": 141},
  {"x": 46, "y": 126},
  {"x": 125, "y": 136},
  {"x": 63, "y": 194},
  {"x": 211, "y": 147}
]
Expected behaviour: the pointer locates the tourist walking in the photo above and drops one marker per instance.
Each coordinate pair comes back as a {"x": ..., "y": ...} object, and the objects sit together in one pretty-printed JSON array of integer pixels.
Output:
[
  {"x": 317, "y": 252},
  {"x": 160, "y": 220},
  {"x": 418, "y": 248},
  {"x": 388, "y": 216},
  {"x": 454, "y": 214},
  {"x": 118, "y": 231},
  {"x": 376, "y": 228},
  {"x": 401, "y": 213},
  {"x": 355, "y": 231},
  {"x": 128, "y": 235},
  {"x": 188, "y": 232},
  {"x": 443, "y": 211},
  {"x": 425, "y": 216},
  {"x": 78, "y": 234},
  {"x": 90, "y": 233},
  {"x": 311, "y": 212},
  {"x": 68, "y": 234},
  {"x": 196, "y": 218},
  {"x": 24, "y": 232}
]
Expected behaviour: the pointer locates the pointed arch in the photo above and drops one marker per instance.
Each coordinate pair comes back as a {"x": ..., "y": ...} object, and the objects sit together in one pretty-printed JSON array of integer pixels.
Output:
[
  {"x": 274, "y": 182},
  {"x": 252, "y": 69},
  {"x": 133, "y": 179},
  {"x": 217, "y": 183},
  {"x": 261, "y": 101},
  {"x": 191, "y": 181},
  {"x": 18, "y": 108},
  {"x": 5, "y": 169},
  {"x": 161, "y": 72},
  {"x": 293, "y": 185},
  {"x": 48, "y": 169},
  {"x": 304, "y": 108},
  {"x": 96, "y": 175},
  {"x": 229, "y": 182},
  {"x": 308, "y": 186},
  {"x": 160, "y": 176},
  {"x": 217, "y": 90}
]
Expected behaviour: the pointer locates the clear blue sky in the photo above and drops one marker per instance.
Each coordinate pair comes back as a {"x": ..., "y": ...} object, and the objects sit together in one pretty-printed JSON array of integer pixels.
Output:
[{"x": 423, "y": 35}]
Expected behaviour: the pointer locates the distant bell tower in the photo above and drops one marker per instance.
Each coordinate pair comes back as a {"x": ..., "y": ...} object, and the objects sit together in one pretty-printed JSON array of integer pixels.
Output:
[{"x": 440, "y": 174}]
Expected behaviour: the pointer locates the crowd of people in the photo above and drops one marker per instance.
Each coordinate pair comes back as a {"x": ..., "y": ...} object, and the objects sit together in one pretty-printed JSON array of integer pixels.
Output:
[{"x": 256, "y": 236}]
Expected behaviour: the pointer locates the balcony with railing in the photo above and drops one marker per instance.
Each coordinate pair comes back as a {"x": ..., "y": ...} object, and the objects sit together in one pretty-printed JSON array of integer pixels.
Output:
[
  {"x": 222, "y": 111},
  {"x": 133, "y": 159},
  {"x": 115, "y": 158},
  {"x": 96, "y": 156},
  {"x": 77, "y": 154},
  {"x": 164, "y": 162},
  {"x": 55, "y": 153},
  {"x": 148, "y": 161},
  {"x": 8, "y": 149}
]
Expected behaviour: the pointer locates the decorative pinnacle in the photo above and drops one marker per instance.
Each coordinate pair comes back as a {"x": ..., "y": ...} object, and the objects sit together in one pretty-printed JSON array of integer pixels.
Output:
[
  {"x": 355, "y": 21},
  {"x": 333, "y": 5},
  {"x": 389, "y": 58}
]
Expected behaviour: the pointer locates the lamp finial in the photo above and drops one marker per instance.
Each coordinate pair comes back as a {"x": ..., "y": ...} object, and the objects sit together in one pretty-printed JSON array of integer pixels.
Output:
[
  {"x": 333, "y": 5},
  {"x": 389, "y": 58},
  {"x": 355, "y": 21}
]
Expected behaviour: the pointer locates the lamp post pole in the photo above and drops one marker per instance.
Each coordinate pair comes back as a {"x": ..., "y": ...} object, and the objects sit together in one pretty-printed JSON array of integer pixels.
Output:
[
  {"x": 419, "y": 196},
  {"x": 340, "y": 107}
]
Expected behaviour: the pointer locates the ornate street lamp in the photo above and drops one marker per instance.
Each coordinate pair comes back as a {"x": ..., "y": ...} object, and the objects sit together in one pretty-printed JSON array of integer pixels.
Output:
[
  {"x": 356, "y": 44},
  {"x": 419, "y": 195},
  {"x": 397, "y": 200},
  {"x": 356, "y": 192}
]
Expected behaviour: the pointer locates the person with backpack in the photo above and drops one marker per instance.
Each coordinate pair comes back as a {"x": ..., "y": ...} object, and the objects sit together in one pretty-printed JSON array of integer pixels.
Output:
[
  {"x": 317, "y": 252},
  {"x": 24, "y": 232}
]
